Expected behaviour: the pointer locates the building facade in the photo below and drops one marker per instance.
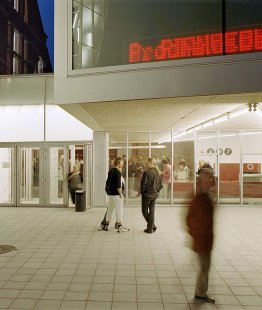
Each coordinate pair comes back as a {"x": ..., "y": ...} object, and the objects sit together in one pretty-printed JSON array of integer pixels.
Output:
[
  {"x": 147, "y": 84},
  {"x": 22, "y": 39}
]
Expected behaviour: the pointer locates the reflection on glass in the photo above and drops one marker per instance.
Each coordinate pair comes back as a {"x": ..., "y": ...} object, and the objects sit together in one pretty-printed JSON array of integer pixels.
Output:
[
  {"x": 138, "y": 152},
  {"x": 161, "y": 150},
  {"x": 76, "y": 165},
  {"x": 134, "y": 30},
  {"x": 29, "y": 175},
  {"x": 229, "y": 167},
  {"x": 252, "y": 167},
  {"x": 56, "y": 175},
  {"x": 87, "y": 32},
  {"x": 206, "y": 156},
  {"x": 6, "y": 176},
  {"x": 183, "y": 173}
]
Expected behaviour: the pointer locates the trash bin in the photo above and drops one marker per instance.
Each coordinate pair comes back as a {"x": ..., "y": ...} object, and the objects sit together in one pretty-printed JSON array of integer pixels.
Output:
[{"x": 80, "y": 201}]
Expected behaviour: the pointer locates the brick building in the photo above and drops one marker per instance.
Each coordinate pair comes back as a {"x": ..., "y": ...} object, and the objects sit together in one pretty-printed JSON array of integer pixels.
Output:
[{"x": 22, "y": 38}]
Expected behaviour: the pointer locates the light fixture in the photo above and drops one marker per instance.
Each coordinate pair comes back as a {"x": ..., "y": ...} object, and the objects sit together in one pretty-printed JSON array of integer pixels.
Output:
[
  {"x": 183, "y": 133},
  {"x": 221, "y": 118},
  {"x": 190, "y": 130},
  {"x": 259, "y": 109},
  {"x": 208, "y": 123},
  {"x": 237, "y": 113}
]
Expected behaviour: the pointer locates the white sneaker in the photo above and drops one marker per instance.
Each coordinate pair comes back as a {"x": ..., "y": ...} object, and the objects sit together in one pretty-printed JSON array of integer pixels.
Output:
[{"x": 121, "y": 228}]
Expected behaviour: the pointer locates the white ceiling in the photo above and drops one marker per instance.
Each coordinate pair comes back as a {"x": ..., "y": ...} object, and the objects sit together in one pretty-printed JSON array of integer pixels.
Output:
[{"x": 177, "y": 114}]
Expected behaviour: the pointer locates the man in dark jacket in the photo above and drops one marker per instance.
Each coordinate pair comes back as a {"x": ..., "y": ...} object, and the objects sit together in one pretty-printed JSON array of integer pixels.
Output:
[{"x": 150, "y": 187}]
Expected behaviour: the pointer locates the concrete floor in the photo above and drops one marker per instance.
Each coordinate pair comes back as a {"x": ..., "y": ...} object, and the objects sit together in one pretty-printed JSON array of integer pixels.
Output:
[{"x": 64, "y": 262}]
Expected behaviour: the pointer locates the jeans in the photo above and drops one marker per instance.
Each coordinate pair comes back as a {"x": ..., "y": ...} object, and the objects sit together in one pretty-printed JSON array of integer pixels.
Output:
[{"x": 148, "y": 211}]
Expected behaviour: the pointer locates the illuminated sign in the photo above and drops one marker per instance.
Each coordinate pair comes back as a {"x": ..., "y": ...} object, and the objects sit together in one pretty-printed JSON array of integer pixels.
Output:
[{"x": 241, "y": 41}]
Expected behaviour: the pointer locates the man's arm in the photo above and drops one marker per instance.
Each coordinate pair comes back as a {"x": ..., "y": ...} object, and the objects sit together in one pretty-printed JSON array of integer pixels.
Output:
[
  {"x": 143, "y": 182},
  {"x": 119, "y": 185}
]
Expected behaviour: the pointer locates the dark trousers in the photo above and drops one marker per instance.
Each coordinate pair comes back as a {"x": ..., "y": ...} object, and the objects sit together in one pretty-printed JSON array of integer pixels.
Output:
[
  {"x": 148, "y": 211},
  {"x": 202, "y": 278},
  {"x": 72, "y": 193}
]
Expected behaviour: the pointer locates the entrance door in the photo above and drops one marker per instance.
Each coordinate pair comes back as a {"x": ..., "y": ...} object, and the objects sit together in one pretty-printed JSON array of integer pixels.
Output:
[
  {"x": 30, "y": 175},
  {"x": 36, "y": 173},
  {"x": 60, "y": 161},
  {"x": 7, "y": 175},
  {"x": 55, "y": 174}
]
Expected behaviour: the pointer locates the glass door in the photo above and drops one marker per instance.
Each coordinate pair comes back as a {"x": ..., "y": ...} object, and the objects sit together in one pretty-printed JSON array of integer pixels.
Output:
[
  {"x": 138, "y": 152},
  {"x": 206, "y": 155},
  {"x": 7, "y": 175},
  {"x": 229, "y": 167},
  {"x": 79, "y": 159},
  {"x": 30, "y": 175},
  {"x": 55, "y": 175},
  {"x": 252, "y": 167}
]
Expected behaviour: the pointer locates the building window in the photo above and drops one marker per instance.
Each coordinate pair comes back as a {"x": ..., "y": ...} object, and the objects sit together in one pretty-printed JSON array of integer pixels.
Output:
[
  {"x": 40, "y": 65},
  {"x": 16, "y": 5},
  {"x": 15, "y": 65},
  {"x": 87, "y": 32},
  {"x": 16, "y": 41}
]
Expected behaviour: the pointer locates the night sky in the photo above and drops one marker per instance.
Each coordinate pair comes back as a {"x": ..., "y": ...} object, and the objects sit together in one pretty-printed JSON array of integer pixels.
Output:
[{"x": 46, "y": 8}]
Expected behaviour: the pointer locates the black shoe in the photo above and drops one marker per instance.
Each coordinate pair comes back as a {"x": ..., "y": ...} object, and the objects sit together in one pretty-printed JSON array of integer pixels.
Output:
[
  {"x": 154, "y": 228},
  {"x": 207, "y": 299},
  {"x": 148, "y": 231}
]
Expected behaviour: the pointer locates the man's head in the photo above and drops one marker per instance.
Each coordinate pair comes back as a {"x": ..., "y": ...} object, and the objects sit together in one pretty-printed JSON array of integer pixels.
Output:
[{"x": 151, "y": 162}]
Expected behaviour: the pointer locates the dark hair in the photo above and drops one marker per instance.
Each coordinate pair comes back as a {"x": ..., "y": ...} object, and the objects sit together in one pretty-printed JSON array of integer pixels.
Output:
[
  {"x": 117, "y": 160},
  {"x": 164, "y": 161}
]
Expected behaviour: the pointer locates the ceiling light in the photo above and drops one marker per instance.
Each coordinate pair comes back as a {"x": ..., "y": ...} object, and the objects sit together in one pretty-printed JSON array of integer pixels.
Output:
[
  {"x": 221, "y": 119},
  {"x": 183, "y": 133},
  {"x": 208, "y": 123},
  {"x": 238, "y": 113},
  {"x": 190, "y": 130},
  {"x": 198, "y": 127}
]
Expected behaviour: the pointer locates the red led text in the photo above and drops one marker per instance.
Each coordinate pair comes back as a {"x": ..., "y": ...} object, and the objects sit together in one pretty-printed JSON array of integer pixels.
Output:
[{"x": 243, "y": 41}]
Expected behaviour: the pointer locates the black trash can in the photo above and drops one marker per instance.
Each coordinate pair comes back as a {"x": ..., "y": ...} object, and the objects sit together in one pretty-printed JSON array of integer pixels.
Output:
[{"x": 80, "y": 201}]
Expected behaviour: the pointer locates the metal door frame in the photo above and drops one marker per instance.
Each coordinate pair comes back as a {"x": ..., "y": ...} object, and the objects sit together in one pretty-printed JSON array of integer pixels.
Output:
[
  {"x": 44, "y": 164},
  {"x": 13, "y": 147}
]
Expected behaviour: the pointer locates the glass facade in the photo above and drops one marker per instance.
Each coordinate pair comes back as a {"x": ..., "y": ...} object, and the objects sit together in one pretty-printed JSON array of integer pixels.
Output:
[
  {"x": 88, "y": 19},
  {"x": 235, "y": 156},
  {"x": 117, "y": 32}
]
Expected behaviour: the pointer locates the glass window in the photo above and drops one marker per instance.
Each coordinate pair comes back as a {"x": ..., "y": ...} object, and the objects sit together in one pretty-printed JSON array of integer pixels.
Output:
[
  {"x": 161, "y": 150},
  {"x": 138, "y": 152},
  {"x": 229, "y": 167},
  {"x": 40, "y": 65},
  {"x": 183, "y": 168},
  {"x": 99, "y": 6},
  {"x": 15, "y": 65},
  {"x": 206, "y": 155},
  {"x": 150, "y": 31},
  {"x": 252, "y": 167},
  {"x": 16, "y": 5},
  {"x": 88, "y": 3},
  {"x": 16, "y": 41}
]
